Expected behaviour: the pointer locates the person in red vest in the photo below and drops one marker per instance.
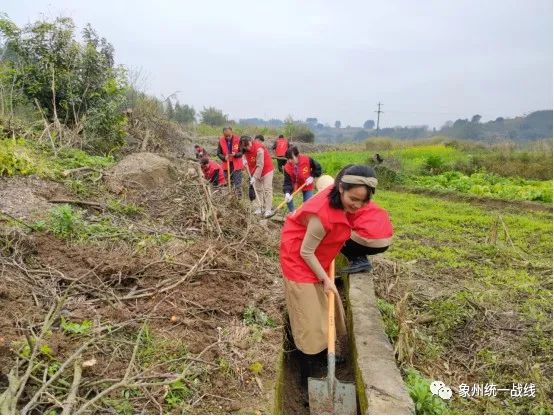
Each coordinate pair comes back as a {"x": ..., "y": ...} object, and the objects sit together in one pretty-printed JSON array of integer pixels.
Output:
[
  {"x": 280, "y": 148},
  {"x": 213, "y": 172},
  {"x": 260, "y": 166},
  {"x": 311, "y": 238},
  {"x": 200, "y": 152},
  {"x": 371, "y": 234},
  {"x": 228, "y": 150},
  {"x": 298, "y": 170}
]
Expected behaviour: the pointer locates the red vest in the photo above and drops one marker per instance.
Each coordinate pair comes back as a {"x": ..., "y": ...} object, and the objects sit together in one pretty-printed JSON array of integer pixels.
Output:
[
  {"x": 281, "y": 146},
  {"x": 210, "y": 169},
  {"x": 251, "y": 158},
  {"x": 337, "y": 230},
  {"x": 304, "y": 171},
  {"x": 236, "y": 161},
  {"x": 371, "y": 221}
]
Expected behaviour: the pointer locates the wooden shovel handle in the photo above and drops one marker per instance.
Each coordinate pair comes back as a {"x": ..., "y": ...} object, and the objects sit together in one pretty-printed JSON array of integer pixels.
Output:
[
  {"x": 331, "y": 330},
  {"x": 229, "y": 173},
  {"x": 282, "y": 204}
]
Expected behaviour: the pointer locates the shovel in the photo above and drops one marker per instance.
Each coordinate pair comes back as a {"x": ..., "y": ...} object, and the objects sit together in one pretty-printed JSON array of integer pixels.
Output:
[
  {"x": 282, "y": 204},
  {"x": 253, "y": 187},
  {"x": 328, "y": 395},
  {"x": 229, "y": 174}
]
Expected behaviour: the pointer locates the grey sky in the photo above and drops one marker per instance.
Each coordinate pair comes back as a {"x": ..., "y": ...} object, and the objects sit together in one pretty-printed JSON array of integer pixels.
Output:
[{"x": 427, "y": 61}]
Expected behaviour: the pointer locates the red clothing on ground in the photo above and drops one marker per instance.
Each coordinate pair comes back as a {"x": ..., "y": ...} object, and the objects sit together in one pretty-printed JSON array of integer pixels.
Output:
[
  {"x": 337, "y": 230},
  {"x": 371, "y": 221}
]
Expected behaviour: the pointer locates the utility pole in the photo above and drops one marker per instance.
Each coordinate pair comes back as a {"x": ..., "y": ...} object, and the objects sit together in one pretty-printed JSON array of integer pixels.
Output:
[{"x": 378, "y": 115}]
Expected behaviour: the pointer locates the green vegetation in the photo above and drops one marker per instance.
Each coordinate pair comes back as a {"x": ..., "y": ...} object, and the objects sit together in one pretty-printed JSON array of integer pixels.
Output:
[
  {"x": 72, "y": 83},
  {"x": 76, "y": 327},
  {"x": 333, "y": 162},
  {"x": 391, "y": 325},
  {"x": 501, "y": 171},
  {"x": 24, "y": 157},
  {"x": 254, "y": 316},
  {"x": 486, "y": 184},
  {"x": 16, "y": 158},
  {"x": 69, "y": 223},
  {"x": 479, "y": 273},
  {"x": 425, "y": 402}
]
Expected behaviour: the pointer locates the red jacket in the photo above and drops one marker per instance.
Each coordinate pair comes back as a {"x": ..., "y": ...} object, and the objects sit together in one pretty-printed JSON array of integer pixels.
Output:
[
  {"x": 251, "y": 158},
  {"x": 211, "y": 168},
  {"x": 336, "y": 225},
  {"x": 281, "y": 146},
  {"x": 303, "y": 171},
  {"x": 236, "y": 161},
  {"x": 371, "y": 221}
]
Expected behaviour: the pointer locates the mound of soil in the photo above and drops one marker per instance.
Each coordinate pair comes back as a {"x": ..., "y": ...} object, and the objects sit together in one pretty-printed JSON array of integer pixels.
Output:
[{"x": 141, "y": 171}]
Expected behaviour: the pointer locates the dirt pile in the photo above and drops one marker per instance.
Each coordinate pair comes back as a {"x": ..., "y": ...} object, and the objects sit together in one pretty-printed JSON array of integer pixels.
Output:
[{"x": 141, "y": 171}]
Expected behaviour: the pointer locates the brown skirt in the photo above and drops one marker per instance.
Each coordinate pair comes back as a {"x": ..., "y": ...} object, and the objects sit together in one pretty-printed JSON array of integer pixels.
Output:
[{"x": 307, "y": 308}]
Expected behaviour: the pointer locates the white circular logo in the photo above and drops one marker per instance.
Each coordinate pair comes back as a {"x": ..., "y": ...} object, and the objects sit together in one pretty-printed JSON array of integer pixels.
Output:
[
  {"x": 445, "y": 393},
  {"x": 436, "y": 386}
]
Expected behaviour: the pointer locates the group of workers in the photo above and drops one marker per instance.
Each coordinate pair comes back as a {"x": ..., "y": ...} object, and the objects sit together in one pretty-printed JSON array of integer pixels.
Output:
[
  {"x": 244, "y": 153},
  {"x": 340, "y": 218}
]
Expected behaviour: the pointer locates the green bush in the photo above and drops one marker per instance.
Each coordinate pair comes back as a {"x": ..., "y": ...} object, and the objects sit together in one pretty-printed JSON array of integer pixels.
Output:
[
  {"x": 64, "y": 222},
  {"x": 387, "y": 177},
  {"x": 433, "y": 164},
  {"x": 89, "y": 89},
  {"x": 15, "y": 158}
]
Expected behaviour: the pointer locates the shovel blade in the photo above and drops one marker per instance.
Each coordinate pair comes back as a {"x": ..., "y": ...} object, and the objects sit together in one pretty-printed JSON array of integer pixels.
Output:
[{"x": 325, "y": 401}]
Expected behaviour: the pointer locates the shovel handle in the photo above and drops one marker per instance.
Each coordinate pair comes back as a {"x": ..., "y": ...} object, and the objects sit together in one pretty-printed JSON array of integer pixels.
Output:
[
  {"x": 282, "y": 204},
  {"x": 331, "y": 330},
  {"x": 229, "y": 174}
]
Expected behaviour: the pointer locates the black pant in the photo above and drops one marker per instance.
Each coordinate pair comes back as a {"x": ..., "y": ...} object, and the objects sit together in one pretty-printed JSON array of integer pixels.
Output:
[
  {"x": 236, "y": 180},
  {"x": 308, "y": 364},
  {"x": 280, "y": 164},
  {"x": 351, "y": 250}
]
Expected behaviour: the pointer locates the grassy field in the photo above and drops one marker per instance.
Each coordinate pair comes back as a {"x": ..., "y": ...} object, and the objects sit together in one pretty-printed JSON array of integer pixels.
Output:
[
  {"x": 483, "y": 278},
  {"x": 443, "y": 167},
  {"x": 473, "y": 301}
]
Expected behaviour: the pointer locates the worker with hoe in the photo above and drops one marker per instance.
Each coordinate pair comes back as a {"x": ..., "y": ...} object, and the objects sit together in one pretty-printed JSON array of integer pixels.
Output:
[
  {"x": 228, "y": 150},
  {"x": 213, "y": 172},
  {"x": 311, "y": 238},
  {"x": 260, "y": 168},
  {"x": 371, "y": 234},
  {"x": 280, "y": 148},
  {"x": 299, "y": 171}
]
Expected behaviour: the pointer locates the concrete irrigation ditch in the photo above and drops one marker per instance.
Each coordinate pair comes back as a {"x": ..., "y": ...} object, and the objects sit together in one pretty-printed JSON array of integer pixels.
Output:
[{"x": 372, "y": 365}]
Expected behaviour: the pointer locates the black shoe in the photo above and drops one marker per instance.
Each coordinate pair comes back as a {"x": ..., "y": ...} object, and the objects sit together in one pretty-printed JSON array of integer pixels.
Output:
[{"x": 358, "y": 265}]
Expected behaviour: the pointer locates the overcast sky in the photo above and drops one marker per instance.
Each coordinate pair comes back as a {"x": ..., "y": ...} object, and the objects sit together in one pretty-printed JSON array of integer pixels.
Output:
[{"x": 428, "y": 61}]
